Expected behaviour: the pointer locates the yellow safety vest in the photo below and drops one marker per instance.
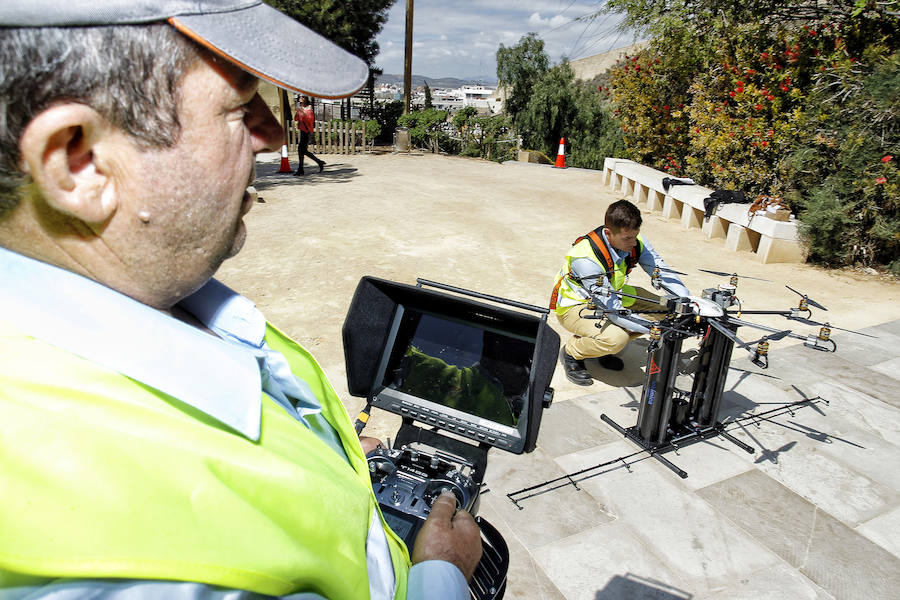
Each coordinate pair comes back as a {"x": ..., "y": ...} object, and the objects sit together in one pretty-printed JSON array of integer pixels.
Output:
[
  {"x": 102, "y": 476},
  {"x": 567, "y": 293}
]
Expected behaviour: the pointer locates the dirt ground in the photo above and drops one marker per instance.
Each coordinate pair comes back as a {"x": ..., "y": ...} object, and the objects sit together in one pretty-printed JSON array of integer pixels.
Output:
[{"x": 497, "y": 229}]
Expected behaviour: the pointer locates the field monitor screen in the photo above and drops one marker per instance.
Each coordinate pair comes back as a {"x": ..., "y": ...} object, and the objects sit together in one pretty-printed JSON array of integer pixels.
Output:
[{"x": 464, "y": 367}]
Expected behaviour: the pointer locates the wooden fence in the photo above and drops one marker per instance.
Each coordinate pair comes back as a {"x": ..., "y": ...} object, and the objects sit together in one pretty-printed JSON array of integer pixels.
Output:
[{"x": 333, "y": 137}]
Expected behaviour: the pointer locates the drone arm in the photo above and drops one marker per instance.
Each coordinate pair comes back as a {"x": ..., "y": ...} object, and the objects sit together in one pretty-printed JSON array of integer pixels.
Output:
[
  {"x": 674, "y": 291},
  {"x": 609, "y": 305},
  {"x": 632, "y": 323},
  {"x": 728, "y": 333}
]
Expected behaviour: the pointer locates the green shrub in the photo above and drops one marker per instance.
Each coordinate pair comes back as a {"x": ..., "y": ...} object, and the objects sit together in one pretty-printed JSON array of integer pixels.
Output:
[
  {"x": 745, "y": 115},
  {"x": 594, "y": 134},
  {"x": 651, "y": 110},
  {"x": 797, "y": 99},
  {"x": 386, "y": 114},
  {"x": 424, "y": 125},
  {"x": 844, "y": 170},
  {"x": 373, "y": 129}
]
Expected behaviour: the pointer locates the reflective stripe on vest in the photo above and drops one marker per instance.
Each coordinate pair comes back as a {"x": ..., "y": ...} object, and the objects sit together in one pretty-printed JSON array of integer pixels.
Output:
[{"x": 105, "y": 477}]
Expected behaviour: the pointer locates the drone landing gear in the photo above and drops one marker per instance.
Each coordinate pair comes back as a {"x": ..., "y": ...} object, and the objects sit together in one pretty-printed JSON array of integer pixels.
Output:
[
  {"x": 683, "y": 439},
  {"x": 669, "y": 418}
]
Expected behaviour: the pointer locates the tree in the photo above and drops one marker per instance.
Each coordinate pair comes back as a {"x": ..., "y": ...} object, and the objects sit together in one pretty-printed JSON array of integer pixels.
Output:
[
  {"x": 518, "y": 69},
  {"x": 594, "y": 134},
  {"x": 487, "y": 137},
  {"x": 550, "y": 110},
  {"x": 464, "y": 122},
  {"x": 428, "y": 103},
  {"x": 844, "y": 170},
  {"x": 651, "y": 110},
  {"x": 545, "y": 104},
  {"x": 351, "y": 24}
]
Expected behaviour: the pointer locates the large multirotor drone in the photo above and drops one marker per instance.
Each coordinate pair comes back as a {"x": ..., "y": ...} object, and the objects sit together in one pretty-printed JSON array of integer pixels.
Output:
[{"x": 669, "y": 416}]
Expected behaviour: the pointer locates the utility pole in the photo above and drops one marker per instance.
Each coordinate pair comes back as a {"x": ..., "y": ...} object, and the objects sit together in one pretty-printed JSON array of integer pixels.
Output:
[{"x": 407, "y": 62}]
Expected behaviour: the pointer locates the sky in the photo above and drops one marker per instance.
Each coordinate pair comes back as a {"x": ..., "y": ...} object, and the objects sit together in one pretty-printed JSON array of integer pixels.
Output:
[{"x": 460, "y": 38}]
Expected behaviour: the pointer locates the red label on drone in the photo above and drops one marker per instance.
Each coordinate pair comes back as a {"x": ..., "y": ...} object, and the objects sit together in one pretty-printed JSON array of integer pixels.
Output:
[{"x": 653, "y": 368}]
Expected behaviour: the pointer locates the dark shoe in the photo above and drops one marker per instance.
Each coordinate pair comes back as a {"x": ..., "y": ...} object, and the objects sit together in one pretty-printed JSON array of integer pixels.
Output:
[
  {"x": 298, "y": 173},
  {"x": 575, "y": 371},
  {"x": 613, "y": 363},
  {"x": 321, "y": 165}
]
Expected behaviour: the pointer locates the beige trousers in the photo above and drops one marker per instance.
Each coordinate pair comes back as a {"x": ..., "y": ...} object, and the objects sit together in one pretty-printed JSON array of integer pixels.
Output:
[{"x": 591, "y": 341}]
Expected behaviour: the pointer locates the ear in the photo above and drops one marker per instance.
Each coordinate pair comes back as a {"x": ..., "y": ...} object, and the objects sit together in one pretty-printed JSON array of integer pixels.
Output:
[{"x": 58, "y": 152}]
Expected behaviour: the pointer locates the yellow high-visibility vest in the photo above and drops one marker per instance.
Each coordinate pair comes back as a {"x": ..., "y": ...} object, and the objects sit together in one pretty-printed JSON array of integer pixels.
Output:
[
  {"x": 567, "y": 293},
  {"x": 104, "y": 477}
]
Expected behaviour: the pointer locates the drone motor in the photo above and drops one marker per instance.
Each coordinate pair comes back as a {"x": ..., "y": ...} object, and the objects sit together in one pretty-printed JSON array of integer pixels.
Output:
[
  {"x": 761, "y": 355},
  {"x": 723, "y": 295}
]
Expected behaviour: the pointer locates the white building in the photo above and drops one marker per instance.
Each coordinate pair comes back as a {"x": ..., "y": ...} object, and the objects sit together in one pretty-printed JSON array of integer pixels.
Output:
[{"x": 480, "y": 97}]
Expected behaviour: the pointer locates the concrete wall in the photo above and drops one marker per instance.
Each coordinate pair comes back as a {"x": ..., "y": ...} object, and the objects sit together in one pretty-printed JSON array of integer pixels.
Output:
[{"x": 591, "y": 66}]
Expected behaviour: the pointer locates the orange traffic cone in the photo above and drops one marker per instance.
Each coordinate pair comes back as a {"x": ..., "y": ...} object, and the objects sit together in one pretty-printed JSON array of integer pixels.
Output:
[
  {"x": 561, "y": 155},
  {"x": 285, "y": 161}
]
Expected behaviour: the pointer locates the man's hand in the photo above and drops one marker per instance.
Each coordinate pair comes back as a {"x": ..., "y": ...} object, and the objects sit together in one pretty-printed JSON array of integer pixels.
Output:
[
  {"x": 450, "y": 536},
  {"x": 369, "y": 443}
]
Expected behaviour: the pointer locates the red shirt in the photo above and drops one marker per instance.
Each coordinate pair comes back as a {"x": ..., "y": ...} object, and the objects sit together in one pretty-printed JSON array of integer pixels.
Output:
[{"x": 305, "y": 118}]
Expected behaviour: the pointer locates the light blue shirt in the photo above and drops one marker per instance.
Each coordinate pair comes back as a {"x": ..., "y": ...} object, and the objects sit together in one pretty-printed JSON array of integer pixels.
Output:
[{"x": 99, "y": 324}]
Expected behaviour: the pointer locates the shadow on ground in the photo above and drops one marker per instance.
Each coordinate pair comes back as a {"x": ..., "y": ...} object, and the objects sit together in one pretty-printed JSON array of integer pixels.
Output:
[
  {"x": 267, "y": 175},
  {"x": 636, "y": 587}
]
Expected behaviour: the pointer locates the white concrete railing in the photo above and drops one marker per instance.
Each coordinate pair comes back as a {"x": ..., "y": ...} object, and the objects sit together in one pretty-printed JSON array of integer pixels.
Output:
[{"x": 772, "y": 241}]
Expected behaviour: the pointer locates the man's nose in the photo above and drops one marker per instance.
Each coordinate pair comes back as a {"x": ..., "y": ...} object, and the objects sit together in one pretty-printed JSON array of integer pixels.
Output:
[{"x": 265, "y": 130}]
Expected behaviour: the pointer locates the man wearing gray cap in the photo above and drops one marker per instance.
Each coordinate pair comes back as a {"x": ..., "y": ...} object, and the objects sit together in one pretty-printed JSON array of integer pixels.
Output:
[{"x": 158, "y": 438}]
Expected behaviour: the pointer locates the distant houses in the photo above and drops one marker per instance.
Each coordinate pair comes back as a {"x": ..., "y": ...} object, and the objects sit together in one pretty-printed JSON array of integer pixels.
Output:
[
  {"x": 487, "y": 99},
  {"x": 483, "y": 98}
]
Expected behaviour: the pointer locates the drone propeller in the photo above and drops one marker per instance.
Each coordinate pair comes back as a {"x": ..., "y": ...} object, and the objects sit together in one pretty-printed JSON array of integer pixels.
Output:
[
  {"x": 805, "y": 299},
  {"x": 774, "y": 336},
  {"x": 724, "y": 274},
  {"x": 669, "y": 270},
  {"x": 806, "y": 321}
]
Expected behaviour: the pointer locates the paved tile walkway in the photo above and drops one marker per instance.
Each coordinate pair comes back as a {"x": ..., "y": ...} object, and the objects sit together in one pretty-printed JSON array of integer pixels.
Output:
[{"x": 813, "y": 513}]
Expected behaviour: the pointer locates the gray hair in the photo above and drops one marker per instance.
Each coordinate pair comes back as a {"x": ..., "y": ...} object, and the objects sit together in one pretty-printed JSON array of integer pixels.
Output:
[{"x": 129, "y": 74}]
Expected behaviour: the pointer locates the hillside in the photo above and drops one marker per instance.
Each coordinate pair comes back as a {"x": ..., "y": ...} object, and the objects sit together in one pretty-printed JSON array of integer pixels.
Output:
[{"x": 435, "y": 82}]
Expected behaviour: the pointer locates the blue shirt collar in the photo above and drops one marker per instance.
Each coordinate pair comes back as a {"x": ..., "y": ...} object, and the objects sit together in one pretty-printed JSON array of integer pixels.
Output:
[{"x": 90, "y": 320}]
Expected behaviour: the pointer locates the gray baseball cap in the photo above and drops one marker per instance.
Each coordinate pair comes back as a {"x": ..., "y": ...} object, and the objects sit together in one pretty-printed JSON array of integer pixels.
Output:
[{"x": 248, "y": 33}]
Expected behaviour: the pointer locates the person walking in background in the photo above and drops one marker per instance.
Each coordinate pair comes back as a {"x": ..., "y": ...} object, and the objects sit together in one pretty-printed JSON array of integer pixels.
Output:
[{"x": 305, "y": 120}]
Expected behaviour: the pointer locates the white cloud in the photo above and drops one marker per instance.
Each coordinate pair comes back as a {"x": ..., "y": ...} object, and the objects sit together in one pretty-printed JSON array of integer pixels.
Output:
[
  {"x": 539, "y": 23},
  {"x": 461, "y": 39}
]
